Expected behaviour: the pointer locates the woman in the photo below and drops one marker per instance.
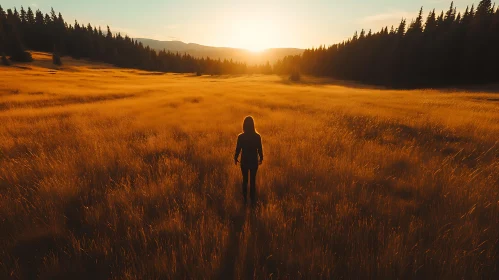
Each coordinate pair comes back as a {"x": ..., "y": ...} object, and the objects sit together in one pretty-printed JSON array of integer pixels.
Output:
[{"x": 250, "y": 143}]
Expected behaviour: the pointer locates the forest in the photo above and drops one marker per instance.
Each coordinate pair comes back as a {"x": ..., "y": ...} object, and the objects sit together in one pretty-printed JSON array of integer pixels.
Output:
[
  {"x": 450, "y": 48},
  {"x": 25, "y": 29}
]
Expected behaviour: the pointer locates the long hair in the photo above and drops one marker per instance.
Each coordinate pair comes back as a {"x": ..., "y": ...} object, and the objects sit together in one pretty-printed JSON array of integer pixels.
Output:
[{"x": 249, "y": 125}]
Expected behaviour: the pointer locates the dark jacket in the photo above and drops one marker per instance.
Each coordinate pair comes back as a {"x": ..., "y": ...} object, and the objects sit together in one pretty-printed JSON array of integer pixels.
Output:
[{"x": 251, "y": 145}]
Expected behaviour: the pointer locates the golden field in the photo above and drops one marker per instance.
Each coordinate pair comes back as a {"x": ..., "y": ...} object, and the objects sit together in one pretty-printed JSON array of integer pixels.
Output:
[{"x": 124, "y": 174}]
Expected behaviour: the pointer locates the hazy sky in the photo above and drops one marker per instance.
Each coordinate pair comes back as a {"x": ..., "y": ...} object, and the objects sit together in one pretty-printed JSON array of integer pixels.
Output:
[{"x": 252, "y": 24}]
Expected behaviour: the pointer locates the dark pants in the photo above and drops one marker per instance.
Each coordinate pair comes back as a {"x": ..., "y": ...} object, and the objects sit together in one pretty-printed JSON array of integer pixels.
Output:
[{"x": 252, "y": 176}]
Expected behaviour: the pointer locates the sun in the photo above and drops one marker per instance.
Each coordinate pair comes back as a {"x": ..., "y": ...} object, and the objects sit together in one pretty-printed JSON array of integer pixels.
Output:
[{"x": 254, "y": 35}]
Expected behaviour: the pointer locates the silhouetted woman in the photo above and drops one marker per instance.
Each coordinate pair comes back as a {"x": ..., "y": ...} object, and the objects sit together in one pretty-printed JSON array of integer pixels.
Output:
[{"x": 250, "y": 143}]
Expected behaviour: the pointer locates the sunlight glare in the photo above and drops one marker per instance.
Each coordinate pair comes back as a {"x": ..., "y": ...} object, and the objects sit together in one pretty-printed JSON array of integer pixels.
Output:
[{"x": 255, "y": 35}]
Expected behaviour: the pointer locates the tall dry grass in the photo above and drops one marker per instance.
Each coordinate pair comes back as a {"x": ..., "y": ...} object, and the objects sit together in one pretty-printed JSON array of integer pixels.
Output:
[{"x": 122, "y": 174}]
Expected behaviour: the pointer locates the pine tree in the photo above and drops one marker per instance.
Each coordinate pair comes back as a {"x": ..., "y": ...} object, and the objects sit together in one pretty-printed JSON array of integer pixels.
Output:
[
  {"x": 109, "y": 34},
  {"x": 401, "y": 28},
  {"x": 484, "y": 8},
  {"x": 30, "y": 17},
  {"x": 24, "y": 18},
  {"x": 17, "y": 50},
  {"x": 450, "y": 16},
  {"x": 417, "y": 25},
  {"x": 3, "y": 39},
  {"x": 362, "y": 36},
  {"x": 431, "y": 23},
  {"x": 53, "y": 16},
  {"x": 17, "y": 18},
  {"x": 14, "y": 46}
]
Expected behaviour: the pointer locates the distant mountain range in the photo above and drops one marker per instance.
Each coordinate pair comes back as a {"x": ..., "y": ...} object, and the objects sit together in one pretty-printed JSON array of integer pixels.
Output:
[{"x": 239, "y": 55}]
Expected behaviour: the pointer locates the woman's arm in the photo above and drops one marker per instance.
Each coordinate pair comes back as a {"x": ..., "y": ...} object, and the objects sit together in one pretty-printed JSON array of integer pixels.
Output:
[
  {"x": 238, "y": 150},
  {"x": 260, "y": 149}
]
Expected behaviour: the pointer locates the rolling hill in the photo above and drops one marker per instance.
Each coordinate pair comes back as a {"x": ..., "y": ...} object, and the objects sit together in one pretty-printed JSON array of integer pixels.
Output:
[{"x": 242, "y": 55}]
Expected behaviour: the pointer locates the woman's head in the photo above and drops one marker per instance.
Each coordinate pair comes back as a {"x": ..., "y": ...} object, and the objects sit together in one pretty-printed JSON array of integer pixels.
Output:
[{"x": 249, "y": 125}]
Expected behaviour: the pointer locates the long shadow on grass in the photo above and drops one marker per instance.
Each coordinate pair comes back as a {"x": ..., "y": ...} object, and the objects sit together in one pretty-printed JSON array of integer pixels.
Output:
[{"x": 228, "y": 262}]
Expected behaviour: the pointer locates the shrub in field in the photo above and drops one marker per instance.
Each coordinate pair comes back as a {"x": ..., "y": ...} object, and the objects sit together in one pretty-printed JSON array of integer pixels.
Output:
[
  {"x": 5, "y": 61},
  {"x": 295, "y": 76},
  {"x": 56, "y": 59},
  {"x": 18, "y": 52},
  {"x": 22, "y": 56}
]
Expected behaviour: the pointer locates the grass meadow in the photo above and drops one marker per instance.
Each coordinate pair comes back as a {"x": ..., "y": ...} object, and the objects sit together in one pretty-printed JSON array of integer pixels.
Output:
[{"x": 110, "y": 173}]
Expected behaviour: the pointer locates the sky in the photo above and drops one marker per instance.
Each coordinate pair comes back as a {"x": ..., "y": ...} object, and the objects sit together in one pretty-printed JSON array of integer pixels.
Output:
[{"x": 249, "y": 24}]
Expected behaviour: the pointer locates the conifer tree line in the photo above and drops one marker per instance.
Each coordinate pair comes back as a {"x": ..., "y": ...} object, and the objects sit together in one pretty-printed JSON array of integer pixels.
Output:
[
  {"x": 449, "y": 48},
  {"x": 25, "y": 29}
]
